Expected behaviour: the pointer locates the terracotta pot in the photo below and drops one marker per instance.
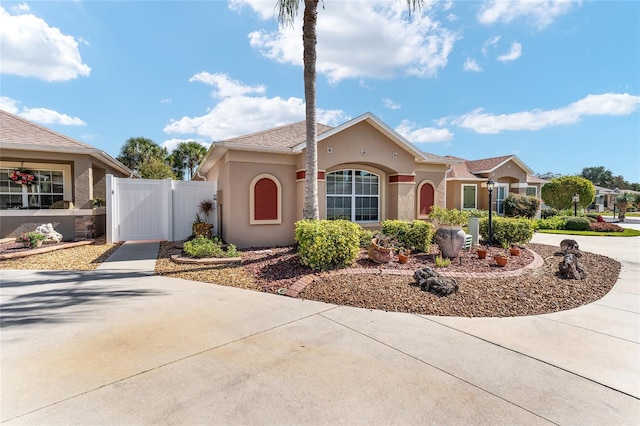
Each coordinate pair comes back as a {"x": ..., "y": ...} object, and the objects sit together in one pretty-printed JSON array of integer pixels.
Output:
[
  {"x": 403, "y": 258},
  {"x": 482, "y": 253},
  {"x": 450, "y": 240},
  {"x": 514, "y": 251},
  {"x": 379, "y": 254},
  {"x": 501, "y": 260}
]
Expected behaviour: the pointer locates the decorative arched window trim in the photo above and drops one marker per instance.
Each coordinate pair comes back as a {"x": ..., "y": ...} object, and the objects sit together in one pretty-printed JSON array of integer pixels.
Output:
[
  {"x": 419, "y": 197},
  {"x": 252, "y": 207}
]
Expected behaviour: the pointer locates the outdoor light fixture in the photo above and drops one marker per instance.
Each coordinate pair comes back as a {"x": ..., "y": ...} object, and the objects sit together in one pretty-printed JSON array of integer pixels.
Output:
[
  {"x": 490, "y": 185},
  {"x": 576, "y": 198}
]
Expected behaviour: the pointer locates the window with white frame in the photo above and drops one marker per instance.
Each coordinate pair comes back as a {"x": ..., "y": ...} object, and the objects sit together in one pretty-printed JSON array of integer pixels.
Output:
[
  {"x": 30, "y": 188},
  {"x": 353, "y": 195},
  {"x": 532, "y": 191},
  {"x": 469, "y": 197}
]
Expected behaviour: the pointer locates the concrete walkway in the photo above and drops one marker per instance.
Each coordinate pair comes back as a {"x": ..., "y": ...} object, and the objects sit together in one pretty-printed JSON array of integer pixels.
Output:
[{"x": 117, "y": 346}]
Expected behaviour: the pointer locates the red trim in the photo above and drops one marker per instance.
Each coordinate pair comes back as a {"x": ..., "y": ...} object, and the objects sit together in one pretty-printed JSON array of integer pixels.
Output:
[
  {"x": 402, "y": 179},
  {"x": 301, "y": 174},
  {"x": 265, "y": 195}
]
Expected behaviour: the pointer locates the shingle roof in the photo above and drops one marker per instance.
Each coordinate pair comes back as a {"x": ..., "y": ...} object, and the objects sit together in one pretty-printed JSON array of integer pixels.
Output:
[
  {"x": 286, "y": 136},
  {"x": 486, "y": 164},
  {"x": 19, "y": 132},
  {"x": 461, "y": 171}
]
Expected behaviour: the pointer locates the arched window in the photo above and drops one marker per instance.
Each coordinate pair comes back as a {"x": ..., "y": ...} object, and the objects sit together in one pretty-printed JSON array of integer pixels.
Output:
[
  {"x": 353, "y": 195},
  {"x": 265, "y": 200},
  {"x": 426, "y": 197}
]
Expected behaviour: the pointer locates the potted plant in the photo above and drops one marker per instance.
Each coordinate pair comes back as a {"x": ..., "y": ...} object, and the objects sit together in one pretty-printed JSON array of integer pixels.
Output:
[
  {"x": 514, "y": 250},
  {"x": 502, "y": 258},
  {"x": 481, "y": 251},
  {"x": 403, "y": 255},
  {"x": 31, "y": 239},
  {"x": 381, "y": 248},
  {"x": 449, "y": 234}
]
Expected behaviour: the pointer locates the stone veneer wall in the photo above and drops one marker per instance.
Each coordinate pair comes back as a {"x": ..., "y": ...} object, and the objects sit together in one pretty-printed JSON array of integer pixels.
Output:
[{"x": 84, "y": 228}]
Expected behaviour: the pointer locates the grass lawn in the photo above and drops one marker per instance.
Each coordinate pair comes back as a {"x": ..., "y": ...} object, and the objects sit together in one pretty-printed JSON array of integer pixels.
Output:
[
  {"x": 628, "y": 232},
  {"x": 627, "y": 214}
]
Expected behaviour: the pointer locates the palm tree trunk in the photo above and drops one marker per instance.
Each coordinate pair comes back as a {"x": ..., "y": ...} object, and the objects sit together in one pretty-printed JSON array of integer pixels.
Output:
[{"x": 309, "y": 39}]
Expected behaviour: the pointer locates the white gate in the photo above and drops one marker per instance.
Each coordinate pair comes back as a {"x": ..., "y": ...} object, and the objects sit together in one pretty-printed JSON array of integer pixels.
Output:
[{"x": 147, "y": 209}]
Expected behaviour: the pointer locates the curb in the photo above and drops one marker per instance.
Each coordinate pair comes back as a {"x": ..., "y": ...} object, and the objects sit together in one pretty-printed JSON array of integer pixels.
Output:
[{"x": 299, "y": 285}]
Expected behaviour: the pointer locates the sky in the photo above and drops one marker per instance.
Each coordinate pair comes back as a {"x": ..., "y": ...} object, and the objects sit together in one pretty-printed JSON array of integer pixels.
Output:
[{"x": 555, "y": 82}]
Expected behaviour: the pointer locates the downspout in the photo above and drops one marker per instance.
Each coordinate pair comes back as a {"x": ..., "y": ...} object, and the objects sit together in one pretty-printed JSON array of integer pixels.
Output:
[{"x": 204, "y": 178}]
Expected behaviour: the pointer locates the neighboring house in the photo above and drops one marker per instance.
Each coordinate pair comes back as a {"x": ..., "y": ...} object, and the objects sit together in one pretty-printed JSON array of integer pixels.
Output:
[
  {"x": 67, "y": 176},
  {"x": 604, "y": 199},
  {"x": 467, "y": 182},
  {"x": 367, "y": 173}
]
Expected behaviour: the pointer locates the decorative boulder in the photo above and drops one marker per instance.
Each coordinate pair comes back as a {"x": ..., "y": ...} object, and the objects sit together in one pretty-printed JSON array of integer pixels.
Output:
[
  {"x": 49, "y": 233},
  {"x": 571, "y": 269},
  {"x": 570, "y": 247},
  {"x": 429, "y": 280}
]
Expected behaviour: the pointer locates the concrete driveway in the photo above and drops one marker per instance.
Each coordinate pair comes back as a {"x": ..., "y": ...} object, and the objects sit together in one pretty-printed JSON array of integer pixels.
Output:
[{"x": 118, "y": 346}]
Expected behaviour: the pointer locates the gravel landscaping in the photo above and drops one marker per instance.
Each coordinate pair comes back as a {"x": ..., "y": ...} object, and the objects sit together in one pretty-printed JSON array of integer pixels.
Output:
[{"x": 270, "y": 270}]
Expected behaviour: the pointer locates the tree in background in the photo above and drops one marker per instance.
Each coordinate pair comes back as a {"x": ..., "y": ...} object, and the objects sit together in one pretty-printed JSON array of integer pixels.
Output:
[
  {"x": 598, "y": 176},
  {"x": 156, "y": 168},
  {"x": 178, "y": 171},
  {"x": 559, "y": 192},
  {"x": 549, "y": 175},
  {"x": 136, "y": 151},
  {"x": 187, "y": 156},
  {"x": 287, "y": 11}
]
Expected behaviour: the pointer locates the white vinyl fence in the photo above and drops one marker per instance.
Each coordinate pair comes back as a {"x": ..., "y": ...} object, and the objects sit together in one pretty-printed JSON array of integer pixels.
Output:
[{"x": 147, "y": 209}]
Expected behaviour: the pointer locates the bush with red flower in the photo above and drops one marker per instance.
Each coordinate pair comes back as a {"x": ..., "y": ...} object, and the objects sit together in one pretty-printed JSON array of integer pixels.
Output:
[{"x": 22, "y": 178}]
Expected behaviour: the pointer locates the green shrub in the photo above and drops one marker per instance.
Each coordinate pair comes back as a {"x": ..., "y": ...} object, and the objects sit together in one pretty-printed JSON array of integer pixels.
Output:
[
  {"x": 415, "y": 235},
  {"x": 478, "y": 213},
  {"x": 449, "y": 216},
  {"x": 547, "y": 213},
  {"x": 324, "y": 244},
  {"x": 553, "y": 222},
  {"x": 366, "y": 235},
  {"x": 201, "y": 247},
  {"x": 577, "y": 224},
  {"x": 519, "y": 205},
  {"x": 507, "y": 230}
]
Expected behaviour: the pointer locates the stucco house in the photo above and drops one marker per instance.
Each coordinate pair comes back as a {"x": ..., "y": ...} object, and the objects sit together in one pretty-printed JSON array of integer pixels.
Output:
[
  {"x": 367, "y": 173},
  {"x": 67, "y": 175},
  {"x": 467, "y": 182}
]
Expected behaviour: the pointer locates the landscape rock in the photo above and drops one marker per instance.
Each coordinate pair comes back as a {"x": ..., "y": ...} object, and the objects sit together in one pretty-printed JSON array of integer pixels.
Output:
[
  {"x": 429, "y": 280},
  {"x": 49, "y": 233},
  {"x": 570, "y": 247}
]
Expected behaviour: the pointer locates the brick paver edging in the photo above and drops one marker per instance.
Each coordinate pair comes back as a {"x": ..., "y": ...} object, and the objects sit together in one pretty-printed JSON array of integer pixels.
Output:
[
  {"x": 299, "y": 285},
  {"x": 45, "y": 249}
]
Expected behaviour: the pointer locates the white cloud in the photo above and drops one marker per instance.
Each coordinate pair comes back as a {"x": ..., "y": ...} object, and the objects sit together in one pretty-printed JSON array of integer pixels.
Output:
[
  {"x": 490, "y": 42},
  {"x": 362, "y": 39},
  {"x": 39, "y": 115},
  {"x": 166, "y": 101},
  {"x": 237, "y": 113},
  {"x": 31, "y": 48},
  {"x": 471, "y": 65},
  {"x": 423, "y": 134},
  {"x": 172, "y": 144},
  {"x": 224, "y": 86},
  {"x": 388, "y": 103},
  {"x": 604, "y": 104},
  {"x": 536, "y": 13},
  {"x": 513, "y": 54}
]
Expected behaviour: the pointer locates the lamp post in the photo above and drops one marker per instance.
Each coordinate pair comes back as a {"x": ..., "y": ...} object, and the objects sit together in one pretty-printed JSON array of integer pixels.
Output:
[
  {"x": 576, "y": 198},
  {"x": 490, "y": 185}
]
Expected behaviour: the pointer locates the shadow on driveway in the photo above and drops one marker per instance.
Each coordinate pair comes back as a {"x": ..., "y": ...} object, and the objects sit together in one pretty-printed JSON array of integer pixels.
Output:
[{"x": 56, "y": 290}]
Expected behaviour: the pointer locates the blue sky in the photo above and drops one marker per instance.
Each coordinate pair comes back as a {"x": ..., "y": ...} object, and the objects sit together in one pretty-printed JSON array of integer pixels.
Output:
[{"x": 555, "y": 82}]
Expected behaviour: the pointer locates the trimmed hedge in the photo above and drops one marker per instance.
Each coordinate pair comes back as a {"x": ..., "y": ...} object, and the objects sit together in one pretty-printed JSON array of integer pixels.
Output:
[
  {"x": 415, "y": 235},
  {"x": 507, "y": 230},
  {"x": 519, "y": 205},
  {"x": 325, "y": 244},
  {"x": 577, "y": 224}
]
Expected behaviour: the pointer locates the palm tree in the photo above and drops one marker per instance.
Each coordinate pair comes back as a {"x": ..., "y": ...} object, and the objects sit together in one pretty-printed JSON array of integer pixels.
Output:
[
  {"x": 188, "y": 155},
  {"x": 287, "y": 11},
  {"x": 137, "y": 151}
]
